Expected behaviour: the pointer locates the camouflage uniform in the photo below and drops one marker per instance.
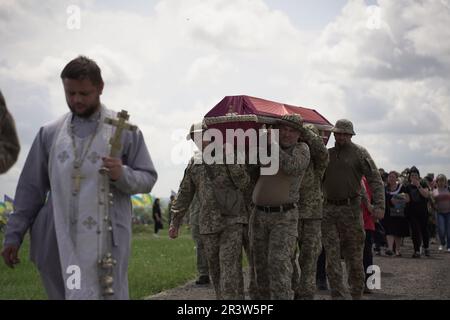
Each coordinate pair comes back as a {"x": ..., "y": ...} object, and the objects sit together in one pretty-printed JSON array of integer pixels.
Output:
[
  {"x": 274, "y": 234},
  {"x": 202, "y": 262},
  {"x": 310, "y": 217},
  {"x": 9, "y": 142},
  {"x": 253, "y": 172},
  {"x": 342, "y": 225},
  {"x": 169, "y": 212},
  {"x": 221, "y": 234}
]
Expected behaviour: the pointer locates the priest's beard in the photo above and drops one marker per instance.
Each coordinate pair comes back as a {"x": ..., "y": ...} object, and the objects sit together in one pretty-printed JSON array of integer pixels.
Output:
[{"x": 87, "y": 112}]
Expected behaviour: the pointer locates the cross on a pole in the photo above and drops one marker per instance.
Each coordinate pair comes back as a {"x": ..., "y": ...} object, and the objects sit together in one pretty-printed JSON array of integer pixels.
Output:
[{"x": 120, "y": 124}]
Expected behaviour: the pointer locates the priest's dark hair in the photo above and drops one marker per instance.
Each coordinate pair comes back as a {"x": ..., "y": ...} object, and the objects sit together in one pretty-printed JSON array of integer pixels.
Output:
[{"x": 83, "y": 68}]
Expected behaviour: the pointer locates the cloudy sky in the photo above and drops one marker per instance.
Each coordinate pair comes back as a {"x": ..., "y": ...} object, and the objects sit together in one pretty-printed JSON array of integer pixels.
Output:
[{"x": 383, "y": 64}]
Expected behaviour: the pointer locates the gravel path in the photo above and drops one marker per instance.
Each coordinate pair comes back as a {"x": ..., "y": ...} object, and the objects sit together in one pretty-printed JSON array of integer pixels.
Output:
[{"x": 402, "y": 278}]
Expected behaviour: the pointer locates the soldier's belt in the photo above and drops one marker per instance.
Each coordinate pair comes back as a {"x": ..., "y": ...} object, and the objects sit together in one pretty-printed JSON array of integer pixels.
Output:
[
  {"x": 281, "y": 208},
  {"x": 343, "y": 202}
]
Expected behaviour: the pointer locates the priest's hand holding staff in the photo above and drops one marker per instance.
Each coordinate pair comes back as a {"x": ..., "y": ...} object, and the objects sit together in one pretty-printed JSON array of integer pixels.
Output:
[{"x": 114, "y": 166}]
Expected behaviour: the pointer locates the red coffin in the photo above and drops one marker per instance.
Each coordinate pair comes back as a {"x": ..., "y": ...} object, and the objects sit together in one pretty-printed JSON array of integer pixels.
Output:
[{"x": 251, "y": 105}]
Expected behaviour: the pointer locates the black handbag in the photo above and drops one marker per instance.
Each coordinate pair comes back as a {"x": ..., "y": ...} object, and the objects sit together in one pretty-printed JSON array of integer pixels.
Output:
[{"x": 397, "y": 210}]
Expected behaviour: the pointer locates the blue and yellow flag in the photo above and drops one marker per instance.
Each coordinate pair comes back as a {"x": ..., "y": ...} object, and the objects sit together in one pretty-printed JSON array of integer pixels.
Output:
[
  {"x": 147, "y": 199},
  {"x": 137, "y": 201},
  {"x": 2, "y": 214},
  {"x": 9, "y": 202},
  {"x": 2, "y": 208}
]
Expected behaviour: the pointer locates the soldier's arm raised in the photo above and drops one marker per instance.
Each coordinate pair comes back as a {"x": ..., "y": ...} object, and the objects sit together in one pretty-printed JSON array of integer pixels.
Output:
[
  {"x": 306, "y": 192},
  {"x": 318, "y": 150}
]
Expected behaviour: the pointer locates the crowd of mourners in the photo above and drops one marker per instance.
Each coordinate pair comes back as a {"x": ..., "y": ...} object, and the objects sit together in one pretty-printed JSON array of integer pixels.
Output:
[{"x": 416, "y": 207}]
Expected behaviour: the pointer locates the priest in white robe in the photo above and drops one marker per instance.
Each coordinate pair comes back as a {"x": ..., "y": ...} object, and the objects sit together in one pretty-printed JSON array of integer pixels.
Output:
[{"x": 60, "y": 195}]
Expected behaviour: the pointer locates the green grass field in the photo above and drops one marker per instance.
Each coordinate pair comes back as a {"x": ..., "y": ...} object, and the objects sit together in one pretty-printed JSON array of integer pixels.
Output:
[{"x": 156, "y": 264}]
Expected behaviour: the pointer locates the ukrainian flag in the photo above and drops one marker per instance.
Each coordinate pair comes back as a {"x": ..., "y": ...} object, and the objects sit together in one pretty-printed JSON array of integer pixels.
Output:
[
  {"x": 2, "y": 208},
  {"x": 2, "y": 213},
  {"x": 137, "y": 201},
  {"x": 9, "y": 202},
  {"x": 147, "y": 199}
]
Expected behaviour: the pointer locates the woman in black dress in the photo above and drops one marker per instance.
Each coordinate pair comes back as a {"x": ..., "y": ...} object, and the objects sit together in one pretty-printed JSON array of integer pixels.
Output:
[
  {"x": 417, "y": 212},
  {"x": 395, "y": 223}
]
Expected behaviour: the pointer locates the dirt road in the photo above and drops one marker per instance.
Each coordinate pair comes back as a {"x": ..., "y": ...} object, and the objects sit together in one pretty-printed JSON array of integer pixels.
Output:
[{"x": 402, "y": 278}]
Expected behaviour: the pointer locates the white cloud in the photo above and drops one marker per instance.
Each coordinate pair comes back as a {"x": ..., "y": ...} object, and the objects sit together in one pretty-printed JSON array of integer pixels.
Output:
[
  {"x": 392, "y": 81},
  {"x": 169, "y": 66},
  {"x": 229, "y": 25},
  {"x": 209, "y": 68}
]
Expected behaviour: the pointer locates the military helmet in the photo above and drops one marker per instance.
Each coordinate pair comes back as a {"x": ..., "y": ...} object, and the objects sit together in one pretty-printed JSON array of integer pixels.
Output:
[
  {"x": 343, "y": 126},
  {"x": 293, "y": 120},
  {"x": 312, "y": 127},
  {"x": 195, "y": 127}
]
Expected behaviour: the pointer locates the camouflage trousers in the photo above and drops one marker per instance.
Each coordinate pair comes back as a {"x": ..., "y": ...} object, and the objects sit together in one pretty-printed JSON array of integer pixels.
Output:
[
  {"x": 310, "y": 246},
  {"x": 273, "y": 242},
  {"x": 343, "y": 233},
  {"x": 252, "y": 289},
  {"x": 202, "y": 262},
  {"x": 224, "y": 253}
]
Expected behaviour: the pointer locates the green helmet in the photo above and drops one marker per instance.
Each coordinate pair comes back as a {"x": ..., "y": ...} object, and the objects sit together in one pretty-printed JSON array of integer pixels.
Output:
[
  {"x": 312, "y": 127},
  {"x": 196, "y": 127},
  {"x": 292, "y": 120},
  {"x": 343, "y": 126}
]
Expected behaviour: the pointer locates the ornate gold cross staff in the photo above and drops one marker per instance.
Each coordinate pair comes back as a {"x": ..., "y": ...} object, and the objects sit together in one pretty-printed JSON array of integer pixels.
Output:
[
  {"x": 107, "y": 262},
  {"x": 120, "y": 125}
]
